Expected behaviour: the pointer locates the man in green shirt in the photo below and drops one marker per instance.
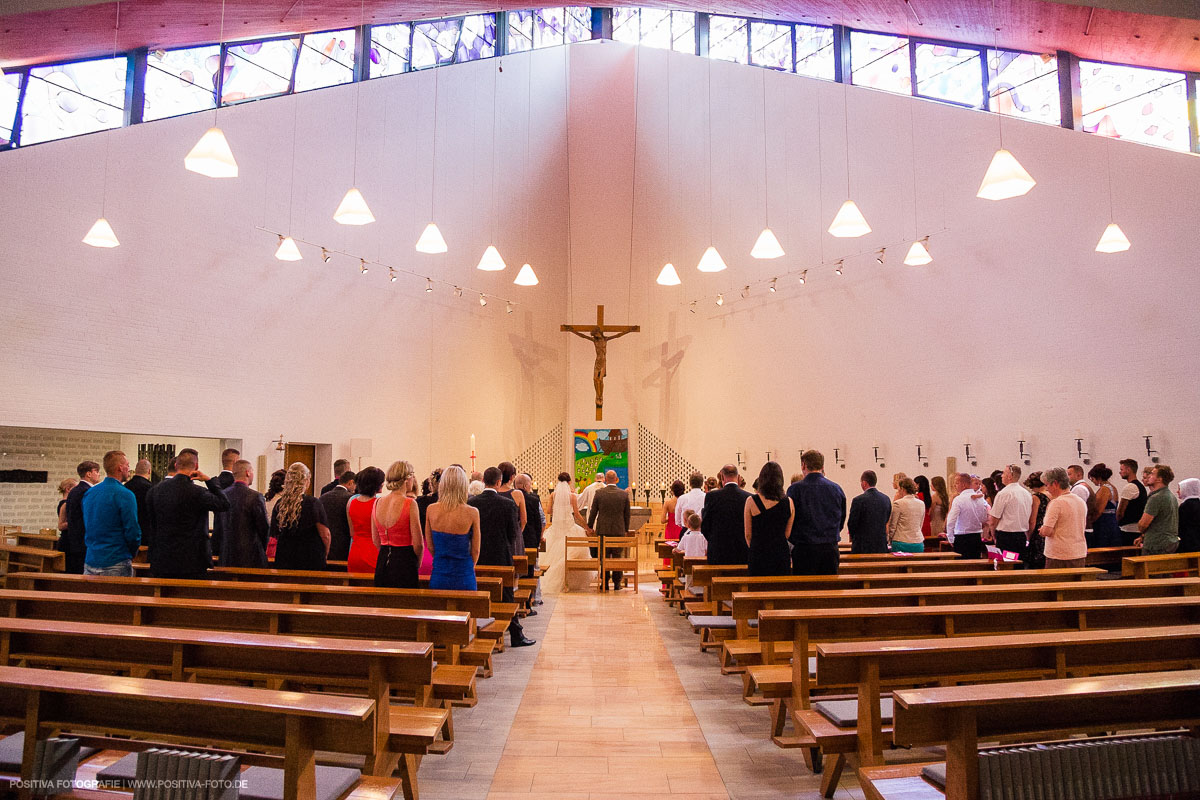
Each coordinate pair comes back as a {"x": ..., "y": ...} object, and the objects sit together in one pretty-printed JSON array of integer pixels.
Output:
[{"x": 1160, "y": 521}]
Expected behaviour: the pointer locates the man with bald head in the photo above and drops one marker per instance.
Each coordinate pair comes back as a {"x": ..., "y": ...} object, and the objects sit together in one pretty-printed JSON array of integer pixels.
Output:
[
  {"x": 723, "y": 520},
  {"x": 139, "y": 484},
  {"x": 609, "y": 516},
  {"x": 245, "y": 523}
]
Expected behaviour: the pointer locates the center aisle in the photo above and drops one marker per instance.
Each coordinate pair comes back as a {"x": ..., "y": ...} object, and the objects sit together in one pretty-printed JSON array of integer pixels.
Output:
[{"x": 604, "y": 716}]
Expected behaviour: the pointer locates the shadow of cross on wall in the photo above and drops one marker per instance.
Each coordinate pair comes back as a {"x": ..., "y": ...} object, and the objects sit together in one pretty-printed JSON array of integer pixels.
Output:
[{"x": 668, "y": 355}]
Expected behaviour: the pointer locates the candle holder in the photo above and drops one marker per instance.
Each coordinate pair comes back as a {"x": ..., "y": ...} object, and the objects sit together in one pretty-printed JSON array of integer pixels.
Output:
[
  {"x": 878, "y": 460},
  {"x": 662, "y": 496},
  {"x": 646, "y": 489},
  {"x": 1026, "y": 458},
  {"x": 971, "y": 459},
  {"x": 837, "y": 457},
  {"x": 1150, "y": 454},
  {"x": 921, "y": 457},
  {"x": 1084, "y": 456}
]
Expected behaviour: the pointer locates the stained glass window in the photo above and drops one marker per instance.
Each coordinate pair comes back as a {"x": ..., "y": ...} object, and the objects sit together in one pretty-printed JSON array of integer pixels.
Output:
[
  {"x": 391, "y": 48},
  {"x": 10, "y": 92},
  {"x": 434, "y": 43},
  {"x": 771, "y": 45},
  {"x": 1141, "y": 105},
  {"x": 326, "y": 59},
  {"x": 727, "y": 39},
  {"x": 259, "y": 69},
  {"x": 954, "y": 74},
  {"x": 814, "y": 51},
  {"x": 478, "y": 39},
  {"x": 547, "y": 27},
  {"x": 656, "y": 28},
  {"x": 1024, "y": 85},
  {"x": 70, "y": 99},
  {"x": 880, "y": 62},
  {"x": 180, "y": 81}
]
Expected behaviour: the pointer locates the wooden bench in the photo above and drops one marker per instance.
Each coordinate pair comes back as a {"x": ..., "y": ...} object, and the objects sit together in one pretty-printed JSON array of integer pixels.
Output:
[
  {"x": 962, "y": 716},
  {"x": 18, "y": 558},
  {"x": 42, "y": 539},
  {"x": 898, "y": 564},
  {"x": 290, "y": 724},
  {"x": 372, "y": 667},
  {"x": 1110, "y": 557},
  {"x": 1149, "y": 566},
  {"x": 934, "y": 555},
  {"x": 872, "y": 666}
]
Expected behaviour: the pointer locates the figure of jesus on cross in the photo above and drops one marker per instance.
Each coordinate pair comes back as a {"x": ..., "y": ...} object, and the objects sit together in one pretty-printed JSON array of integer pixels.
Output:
[{"x": 596, "y": 335}]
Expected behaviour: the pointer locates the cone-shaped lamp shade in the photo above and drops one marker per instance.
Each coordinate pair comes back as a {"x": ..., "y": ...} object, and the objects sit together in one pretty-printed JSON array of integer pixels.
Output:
[
  {"x": 211, "y": 156},
  {"x": 767, "y": 246},
  {"x": 849, "y": 222},
  {"x": 711, "y": 261},
  {"x": 491, "y": 260},
  {"x": 526, "y": 277},
  {"x": 353, "y": 209},
  {"x": 1005, "y": 178},
  {"x": 1113, "y": 240},
  {"x": 431, "y": 240},
  {"x": 918, "y": 255},
  {"x": 287, "y": 250},
  {"x": 101, "y": 235},
  {"x": 668, "y": 276}
]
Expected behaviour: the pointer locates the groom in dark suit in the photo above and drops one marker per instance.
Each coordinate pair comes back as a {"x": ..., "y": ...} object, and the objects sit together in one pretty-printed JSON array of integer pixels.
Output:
[
  {"x": 609, "y": 516},
  {"x": 723, "y": 521},
  {"x": 499, "y": 538}
]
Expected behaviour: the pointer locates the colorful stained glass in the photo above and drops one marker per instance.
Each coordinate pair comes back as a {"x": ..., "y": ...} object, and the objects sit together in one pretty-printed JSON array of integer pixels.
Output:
[
  {"x": 578, "y": 25},
  {"x": 478, "y": 38},
  {"x": 954, "y": 74},
  {"x": 771, "y": 45},
  {"x": 434, "y": 43},
  {"x": 326, "y": 59},
  {"x": 10, "y": 92},
  {"x": 547, "y": 27},
  {"x": 1024, "y": 85},
  {"x": 391, "y": 48},
  {"x": 655, "y": 27},
  {"x": 1134, "y": 103},
  {"x": 814, "y": 51},
  {"x": 520, "y": 31},
  {"x": 180, "y": 81},
  {"x": 258, "y": 69},
  {"x": 727, "y": 39},
  {"x": 70, "y": 99},
  {"x": 880, "y": 62}
]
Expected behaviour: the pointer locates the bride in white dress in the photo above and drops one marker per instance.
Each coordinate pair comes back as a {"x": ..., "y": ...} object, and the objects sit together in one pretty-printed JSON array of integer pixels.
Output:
[{"x": 564, "y": 521}]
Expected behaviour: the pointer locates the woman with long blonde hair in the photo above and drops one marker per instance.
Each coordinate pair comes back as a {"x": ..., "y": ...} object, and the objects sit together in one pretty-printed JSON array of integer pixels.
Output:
[
  {"x": 298, "y": 524},
  {"x": 452, "y": 533},
  {"x": 396, "y": 530}
]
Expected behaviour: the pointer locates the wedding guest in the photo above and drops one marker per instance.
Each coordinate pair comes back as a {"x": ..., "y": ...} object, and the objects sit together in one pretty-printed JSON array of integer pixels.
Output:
[
  {"x": 246, "y": 525},
  {"x": 363, "y": 553},
  {"x": 767, "y": 524},
  {"x": 896, "y": 494},
  {"x": 178, "y": 513},
  {"x": 229, "y": 457},
  {"x": 693, "y": 544},
  {"x": 1083, "y": 489},
  {"x": 693, "y": 500},
  {"x": 474, "y": 488},
  {"x": 531, "y": 534},
  {"x": 1160, "y": 521},
  {"x": 335, "y": 501},
  {"x": 499, "y": 535},
  {"x": 966, "y": 519},
  {"x": 904, "y": 522},
  {"x": 723, "y": 520},
  {"x": 1066, "y": 516},
  {"x": 396, "y": 530},
  {"x": 64, "y": 488},
  {"x": 1189, "y": 515},
  {"x": 429, "y": 494},
  {"x": 140, "y": 485},
  {"x": 671, "y": 528},
  {"x": 1133, "y": 501},
  {"x": 711, "y": 484},
  {"x": 110, "y": 518},
  {"x": 1102, "y": 513},
  {"x": 298, "y": 524},
  {"x": 820, "y": 506},
  {"x": 1009, "y": 517},
  {"x": 508, "y": 473},
  {"x": 274, "y": 489},
  {"x": 452, "y": 533},
  {"x": 940, "y": 507},
  {"x": 340, "y": 468},
  {"x": 868, "y": 520},
  {"x": 73, "y": 542},
  {"x": 1035, "y": 550}
]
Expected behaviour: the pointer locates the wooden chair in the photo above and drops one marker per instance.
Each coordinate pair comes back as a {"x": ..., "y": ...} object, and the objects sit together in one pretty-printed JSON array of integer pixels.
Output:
[
  {"x": 626, "y": 561},
  {"x": 580, "y": 563}
]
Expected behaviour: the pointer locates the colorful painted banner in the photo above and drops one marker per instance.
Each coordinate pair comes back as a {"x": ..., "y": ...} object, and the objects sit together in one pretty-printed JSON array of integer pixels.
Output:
[{"x": 599, "y": 450}]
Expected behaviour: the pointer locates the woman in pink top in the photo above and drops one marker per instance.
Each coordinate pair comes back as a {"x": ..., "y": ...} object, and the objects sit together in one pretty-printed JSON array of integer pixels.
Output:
[
  {"x": 1066, "y": 517},
  {"x": 359, "y": 510},
  {"x": 396, "y": 530}
]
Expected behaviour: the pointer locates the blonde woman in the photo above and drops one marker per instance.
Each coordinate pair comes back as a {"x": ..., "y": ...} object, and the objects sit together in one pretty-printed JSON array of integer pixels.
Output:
[
  {"x": 452, "y": 534},
  {"x": 298, "y": 524},
  {"x": 396, "y": 530},
  {"x": 899, "y": 476},
  {"x": 64, "y": 489}
]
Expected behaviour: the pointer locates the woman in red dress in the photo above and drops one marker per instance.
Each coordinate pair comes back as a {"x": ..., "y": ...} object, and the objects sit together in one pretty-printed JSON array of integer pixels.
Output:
[{"x": 363, "y": 553}]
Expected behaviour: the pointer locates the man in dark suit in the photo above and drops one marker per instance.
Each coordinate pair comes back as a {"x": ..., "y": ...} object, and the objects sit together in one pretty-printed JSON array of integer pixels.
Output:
[
  {"x": 723, "y": 520},
  {"x": 245, "y": 523},
  {"x": 869, "y": 513},
  {"x": 140, "y": 484},
  {"x": 335, "y": 501},
  {"x": 340, "y": 468},
  {"x": 499, "y": 537},
  {"x": 532, "y": 533},
  {"x": 820, "y": 514},
  {"x": 429, "y": 494},
  {"x": 72, "y": 541},
  {"x": 179, "y": 521},
  {"x": 224, "y": 479},
  {"x": 609, "y": 516}
]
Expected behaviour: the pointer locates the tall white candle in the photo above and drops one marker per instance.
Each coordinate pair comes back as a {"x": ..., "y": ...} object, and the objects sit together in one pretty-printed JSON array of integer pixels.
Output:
[{"x": 472, "y": 443}]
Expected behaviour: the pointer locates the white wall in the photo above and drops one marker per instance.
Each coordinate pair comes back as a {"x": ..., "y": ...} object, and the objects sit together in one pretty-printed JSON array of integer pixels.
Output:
[{"x": 1017, "y": 325}]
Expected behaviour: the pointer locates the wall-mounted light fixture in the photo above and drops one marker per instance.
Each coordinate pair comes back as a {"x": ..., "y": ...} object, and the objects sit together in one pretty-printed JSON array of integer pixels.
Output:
[
  {"x": 1150, "y": 453},
  {"x": 878, "y": 460},
  {"x": 280, "y": 443},
  {"x": 1022, "y": 453},
  {"x": 921, "y": 456},
  {"x": 1084, "y": 456},
  {"x": 971, "y": 459},
  {"x": 837, "y": 457}
]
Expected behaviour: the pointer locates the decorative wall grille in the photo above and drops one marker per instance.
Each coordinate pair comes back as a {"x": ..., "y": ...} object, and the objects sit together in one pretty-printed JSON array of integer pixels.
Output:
[
  {"x": 544, "y": 459},
  {"x": 658, "y": 463}
]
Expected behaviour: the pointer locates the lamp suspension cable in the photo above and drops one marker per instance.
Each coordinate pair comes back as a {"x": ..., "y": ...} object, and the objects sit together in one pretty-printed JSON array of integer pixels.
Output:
[{"x": 101, "y": 233}]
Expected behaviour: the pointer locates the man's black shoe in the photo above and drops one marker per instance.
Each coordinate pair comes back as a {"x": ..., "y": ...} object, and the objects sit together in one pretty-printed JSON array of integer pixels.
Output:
[{"x": 522, "y": 642}]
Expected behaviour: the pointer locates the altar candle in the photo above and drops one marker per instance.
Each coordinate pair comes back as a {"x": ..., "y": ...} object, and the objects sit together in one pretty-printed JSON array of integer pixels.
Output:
[
  {"x": 472, "y": 444},
  {"x": 535, "y": 486},
  {"x": 662, "y": 486}
]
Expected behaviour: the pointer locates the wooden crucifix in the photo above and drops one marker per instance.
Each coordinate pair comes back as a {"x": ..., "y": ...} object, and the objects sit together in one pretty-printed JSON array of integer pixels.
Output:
[{"x": 596, "y": 335}]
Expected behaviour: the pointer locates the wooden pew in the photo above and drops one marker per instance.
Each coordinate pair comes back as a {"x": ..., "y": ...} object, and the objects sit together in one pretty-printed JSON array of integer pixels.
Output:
[
  {"x": 1110, "y": 557},
  {"x": 16, "y": 558},
  {"x": 935, "y": 555},
  {"x": 897, "y": 564},
  {"x": 872, "y": 666},
  {"x": 42, "y": 539},
  {"x": 1149, "y": 566},
  {"x": 278, "y": 661},
  {"x": 287, "y": 723},
  {"x": 962, "y": 716}
]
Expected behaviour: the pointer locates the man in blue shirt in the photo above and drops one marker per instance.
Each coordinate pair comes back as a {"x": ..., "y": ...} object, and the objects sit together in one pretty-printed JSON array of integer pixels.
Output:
[
  {"x": 110, "y": 518},
  {"x": 820, "y": 514}
]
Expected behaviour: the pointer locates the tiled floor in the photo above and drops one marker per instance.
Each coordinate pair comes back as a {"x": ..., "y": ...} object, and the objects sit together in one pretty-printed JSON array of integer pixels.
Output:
[{"x": 598, "y": 710}]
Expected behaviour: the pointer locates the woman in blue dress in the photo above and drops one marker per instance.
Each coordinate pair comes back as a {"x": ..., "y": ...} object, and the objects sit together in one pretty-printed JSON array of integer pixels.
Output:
[{"x": 452, "y": 534}]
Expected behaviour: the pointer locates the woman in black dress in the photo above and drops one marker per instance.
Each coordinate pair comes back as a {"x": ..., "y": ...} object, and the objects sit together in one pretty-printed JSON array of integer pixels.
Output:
[
  {"x": 298, "y": 524},
  {"x": 769, "y": 517}
]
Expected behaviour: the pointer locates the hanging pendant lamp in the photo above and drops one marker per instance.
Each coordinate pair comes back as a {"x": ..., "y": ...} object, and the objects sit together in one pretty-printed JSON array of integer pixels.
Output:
[
  {"x": 1005, "y": 178},
  {"x": 918, "y": 254},
  {"x": 101, "y": 235},
  {"x": 431, "y": 240},
  {"x": 668, "y": 276},
  {"x": 711, "y": 261},
  {"x": 526, "y": 277},
  {"x": 353, "y": 209},
  {"x": 490, "y": 261},
  {"x": 287, "y": 250},
  {"x": 767, "y": 246},
  {"x": 211, "y": 156},
  {"x": 1113, "y": 240},
  {"x": 849, "y": 222}
]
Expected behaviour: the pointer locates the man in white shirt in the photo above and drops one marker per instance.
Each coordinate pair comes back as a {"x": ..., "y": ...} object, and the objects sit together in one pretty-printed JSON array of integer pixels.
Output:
[
  {"x": 589, "y": 491},
  {"x": 968, "y": 514},
  {"x": 1081, "y": 489},
  {"x": 692, "y": 501},
  {"x": 1133, "y": 501},
  {"x": 1009, "y": 518}
]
